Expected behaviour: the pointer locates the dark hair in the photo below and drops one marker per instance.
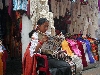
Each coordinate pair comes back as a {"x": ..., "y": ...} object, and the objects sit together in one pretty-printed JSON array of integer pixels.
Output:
[
  {"x": 30, "y": 34},
  {"x": 39, "y": 22}
]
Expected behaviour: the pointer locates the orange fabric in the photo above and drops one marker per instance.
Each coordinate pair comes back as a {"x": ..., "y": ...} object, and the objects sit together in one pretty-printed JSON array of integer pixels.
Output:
[
  {"x": 20, "y": 25},
  {"x": 4, "y": 58},
  {"x": 29, "y": 63},
  {"x": 1, "y": 64},
  {"x": 94, "y": 49},
  {"x": 66, "y": 47}
]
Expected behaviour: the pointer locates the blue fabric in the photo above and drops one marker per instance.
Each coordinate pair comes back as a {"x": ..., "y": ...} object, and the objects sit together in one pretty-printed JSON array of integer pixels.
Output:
[
  {"x": 20, "y": 5},
  {"x": 3, "y": 48},
  {"x": 88, "y": 50},
  {"x": 90, "y": 55}
]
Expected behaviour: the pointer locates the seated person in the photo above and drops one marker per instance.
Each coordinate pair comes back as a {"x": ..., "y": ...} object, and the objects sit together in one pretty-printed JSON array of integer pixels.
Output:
[{"x": 38, "y": 38}]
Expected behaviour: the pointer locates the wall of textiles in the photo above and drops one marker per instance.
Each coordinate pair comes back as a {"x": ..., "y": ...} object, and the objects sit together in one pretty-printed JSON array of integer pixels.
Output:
[
  {"x": 15, "y": 41},
  {"x": 61, "y": 13},
  {"x": 15, "y": 10},
  {"x": 11, "y": 34},
  {"x": 81, "y": 20},
  {"x": 10, "y": 28}
]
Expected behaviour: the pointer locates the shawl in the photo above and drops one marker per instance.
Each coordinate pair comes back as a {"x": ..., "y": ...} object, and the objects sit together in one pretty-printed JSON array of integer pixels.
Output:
[{"x": 29, "y": 63}]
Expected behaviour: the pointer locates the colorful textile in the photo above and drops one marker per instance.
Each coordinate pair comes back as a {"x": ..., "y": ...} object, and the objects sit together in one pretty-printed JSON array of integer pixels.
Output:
[
  {"x": 20, "y": 5},
  {"x": 99, "y": 4},
  {"x": 94, "y": 48},
  {"x": 29, "y": 63},
  {"x": 61, "y": 55},
  {"x": 91, "y": 58},
  {"x": 88, "y": 49},
  {"x": 74, "y": 47},
  {"x": 66, "y": 47},
  {"x": 4, "y": 58},
  {"x": 80, "y": 46}
]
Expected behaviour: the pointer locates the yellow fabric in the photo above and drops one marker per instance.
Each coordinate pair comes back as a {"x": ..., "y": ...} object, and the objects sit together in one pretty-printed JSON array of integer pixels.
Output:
[
  {"x": 1, "y": 64},
  {"x": 66, "y": 47}
]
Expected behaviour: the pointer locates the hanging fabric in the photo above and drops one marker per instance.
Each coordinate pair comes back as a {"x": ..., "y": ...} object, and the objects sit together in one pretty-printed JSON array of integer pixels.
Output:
[
  {"x": 28, "y": 8},
  {"x": 10, "y": 8},
  {"x": 20, "y": 5},
  {"x": 1, "y": 4},
  {"x": 99, "y": 4}
]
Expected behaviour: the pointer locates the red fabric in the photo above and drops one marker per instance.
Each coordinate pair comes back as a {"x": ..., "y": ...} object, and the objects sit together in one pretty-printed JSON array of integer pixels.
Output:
[
  {"x": 57, "y": 32},
  {"x": 45, "y": 68},
  {"x": 28, "y": 8},
  {"x": 4, "y": 58},
  {"x": 81, "y": 0},
  {"x": 68, "y": 22},
  {"x": 20, "y": 26},
  {"x": 80, "y": 47},
  {"x": 29, "y": 63}
]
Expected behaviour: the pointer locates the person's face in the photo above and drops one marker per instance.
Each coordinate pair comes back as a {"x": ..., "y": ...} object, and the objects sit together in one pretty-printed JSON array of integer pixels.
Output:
[{"x": 44, "y": 27}]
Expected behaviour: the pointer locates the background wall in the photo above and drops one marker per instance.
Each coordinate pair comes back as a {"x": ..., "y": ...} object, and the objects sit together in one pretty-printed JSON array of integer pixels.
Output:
[{"x": 26, "y": 28}]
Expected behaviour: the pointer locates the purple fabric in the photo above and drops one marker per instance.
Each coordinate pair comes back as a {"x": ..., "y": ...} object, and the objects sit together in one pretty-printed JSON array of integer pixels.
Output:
[
  {"x": 81, "y": 0},
  {"x": 28, "y": 8},
  {"x": 74, "y": 46},
  {"x": 10, "y": 8},
  {"x": 99, "y": 4}
]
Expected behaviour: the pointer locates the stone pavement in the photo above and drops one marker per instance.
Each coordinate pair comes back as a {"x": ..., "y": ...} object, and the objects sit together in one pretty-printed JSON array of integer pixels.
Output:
[{"x": 95, "y": 70}]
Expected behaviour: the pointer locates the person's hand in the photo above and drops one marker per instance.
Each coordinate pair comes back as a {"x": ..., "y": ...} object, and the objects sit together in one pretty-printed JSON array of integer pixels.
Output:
[{"x": 44, "y": 38}]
